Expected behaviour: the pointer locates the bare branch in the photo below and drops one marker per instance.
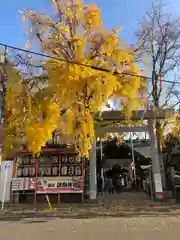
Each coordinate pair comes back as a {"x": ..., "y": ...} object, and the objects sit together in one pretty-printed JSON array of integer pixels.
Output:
[{"x": 159, "y": 38}]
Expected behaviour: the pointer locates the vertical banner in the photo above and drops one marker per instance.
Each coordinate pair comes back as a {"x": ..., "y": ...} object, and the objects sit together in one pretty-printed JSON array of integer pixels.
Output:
[{"x": 158, "y": 186}]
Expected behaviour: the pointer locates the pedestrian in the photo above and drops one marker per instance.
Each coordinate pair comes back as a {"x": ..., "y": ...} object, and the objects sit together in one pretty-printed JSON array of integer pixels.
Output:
[
  {"x": 144, "y": 185},
  {"x": 99, "y": 184},
  {"x": 110, "y": 185}
]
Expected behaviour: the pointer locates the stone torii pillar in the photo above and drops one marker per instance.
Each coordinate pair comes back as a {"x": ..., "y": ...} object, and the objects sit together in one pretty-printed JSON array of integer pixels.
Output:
[
  {"x": 157, "y": 174},
  {"x": 92, "y": 172}
]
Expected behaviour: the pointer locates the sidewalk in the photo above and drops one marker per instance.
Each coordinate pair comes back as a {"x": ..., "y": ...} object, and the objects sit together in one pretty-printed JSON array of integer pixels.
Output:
[
  {"x": 85, "y": 213},
  {"x": 124, "y": 201},
  {"x": 125, "y": 205}
]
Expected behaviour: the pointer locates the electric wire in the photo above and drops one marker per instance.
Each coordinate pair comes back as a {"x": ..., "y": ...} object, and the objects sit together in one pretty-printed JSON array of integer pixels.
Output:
[{"x": 114, "y": 72}]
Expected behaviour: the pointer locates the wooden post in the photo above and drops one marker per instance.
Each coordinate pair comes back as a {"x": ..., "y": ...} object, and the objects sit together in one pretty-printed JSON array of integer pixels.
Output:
[
  {"x": 35, "y": 190},
  {"x": 59, "y": 194},
  {"x": 13, "y": 175},
  {"x": 82, "y": 164},
  {"x": 12, "y": 195},
  {"x": 14, "y": 167},
  {"x": 59, "y": 198}
]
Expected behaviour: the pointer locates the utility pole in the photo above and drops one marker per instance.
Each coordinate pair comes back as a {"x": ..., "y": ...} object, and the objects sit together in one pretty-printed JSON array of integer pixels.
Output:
[{"x": 3, "y": 76}]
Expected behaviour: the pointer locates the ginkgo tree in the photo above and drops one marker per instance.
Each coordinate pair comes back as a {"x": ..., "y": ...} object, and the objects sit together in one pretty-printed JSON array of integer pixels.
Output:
[
  {"x": 23, "y": 107},
  {"x": 76, "y": 39}
]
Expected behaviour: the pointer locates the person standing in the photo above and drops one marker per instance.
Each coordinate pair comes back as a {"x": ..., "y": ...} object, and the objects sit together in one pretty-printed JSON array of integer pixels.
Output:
[
  {"x": 99, "y": 184},
  {"x": 144, "y": 185},
  {"x": 110, "y": 185}
]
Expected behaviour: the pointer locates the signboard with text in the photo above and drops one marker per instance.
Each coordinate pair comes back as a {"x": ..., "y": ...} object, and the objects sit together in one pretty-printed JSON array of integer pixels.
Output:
[{"x": 49, "y": 185}]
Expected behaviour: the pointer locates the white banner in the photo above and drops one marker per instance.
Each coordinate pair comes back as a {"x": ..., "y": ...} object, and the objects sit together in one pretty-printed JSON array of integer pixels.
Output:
[
  {"x": 158, "y": 182},
  {"x": 53, "y": 185}
]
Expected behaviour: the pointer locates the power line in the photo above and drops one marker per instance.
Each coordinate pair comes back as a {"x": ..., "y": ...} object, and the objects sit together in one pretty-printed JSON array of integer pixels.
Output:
[{"x": 82, "y": 64}]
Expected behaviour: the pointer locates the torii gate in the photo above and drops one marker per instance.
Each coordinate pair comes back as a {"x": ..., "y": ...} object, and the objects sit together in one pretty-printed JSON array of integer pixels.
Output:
[{"x": 118, "y": 116}]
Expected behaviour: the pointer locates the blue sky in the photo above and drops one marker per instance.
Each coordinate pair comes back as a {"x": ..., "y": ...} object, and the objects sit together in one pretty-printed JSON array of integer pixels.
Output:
[{"x": 125, "y": 13}]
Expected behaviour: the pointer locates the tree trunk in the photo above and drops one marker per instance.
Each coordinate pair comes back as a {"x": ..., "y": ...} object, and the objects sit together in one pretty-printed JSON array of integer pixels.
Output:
[{"x": 160, "y": 154}]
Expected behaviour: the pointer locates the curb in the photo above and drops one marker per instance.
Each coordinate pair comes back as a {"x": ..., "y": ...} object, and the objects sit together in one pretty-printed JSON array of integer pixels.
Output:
[
  {"x": 45, "y": 217},
  {"x": 99, "y": 212}
]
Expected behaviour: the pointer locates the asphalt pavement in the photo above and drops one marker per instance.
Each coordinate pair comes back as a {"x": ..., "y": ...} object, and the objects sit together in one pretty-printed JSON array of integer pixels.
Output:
[
  {"x": 138, "y": 228},
  {"x": 124, "y": 216}
]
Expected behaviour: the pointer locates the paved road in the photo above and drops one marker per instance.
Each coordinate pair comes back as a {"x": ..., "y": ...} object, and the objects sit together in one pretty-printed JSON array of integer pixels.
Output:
[{"x": 139, "y": 228}]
